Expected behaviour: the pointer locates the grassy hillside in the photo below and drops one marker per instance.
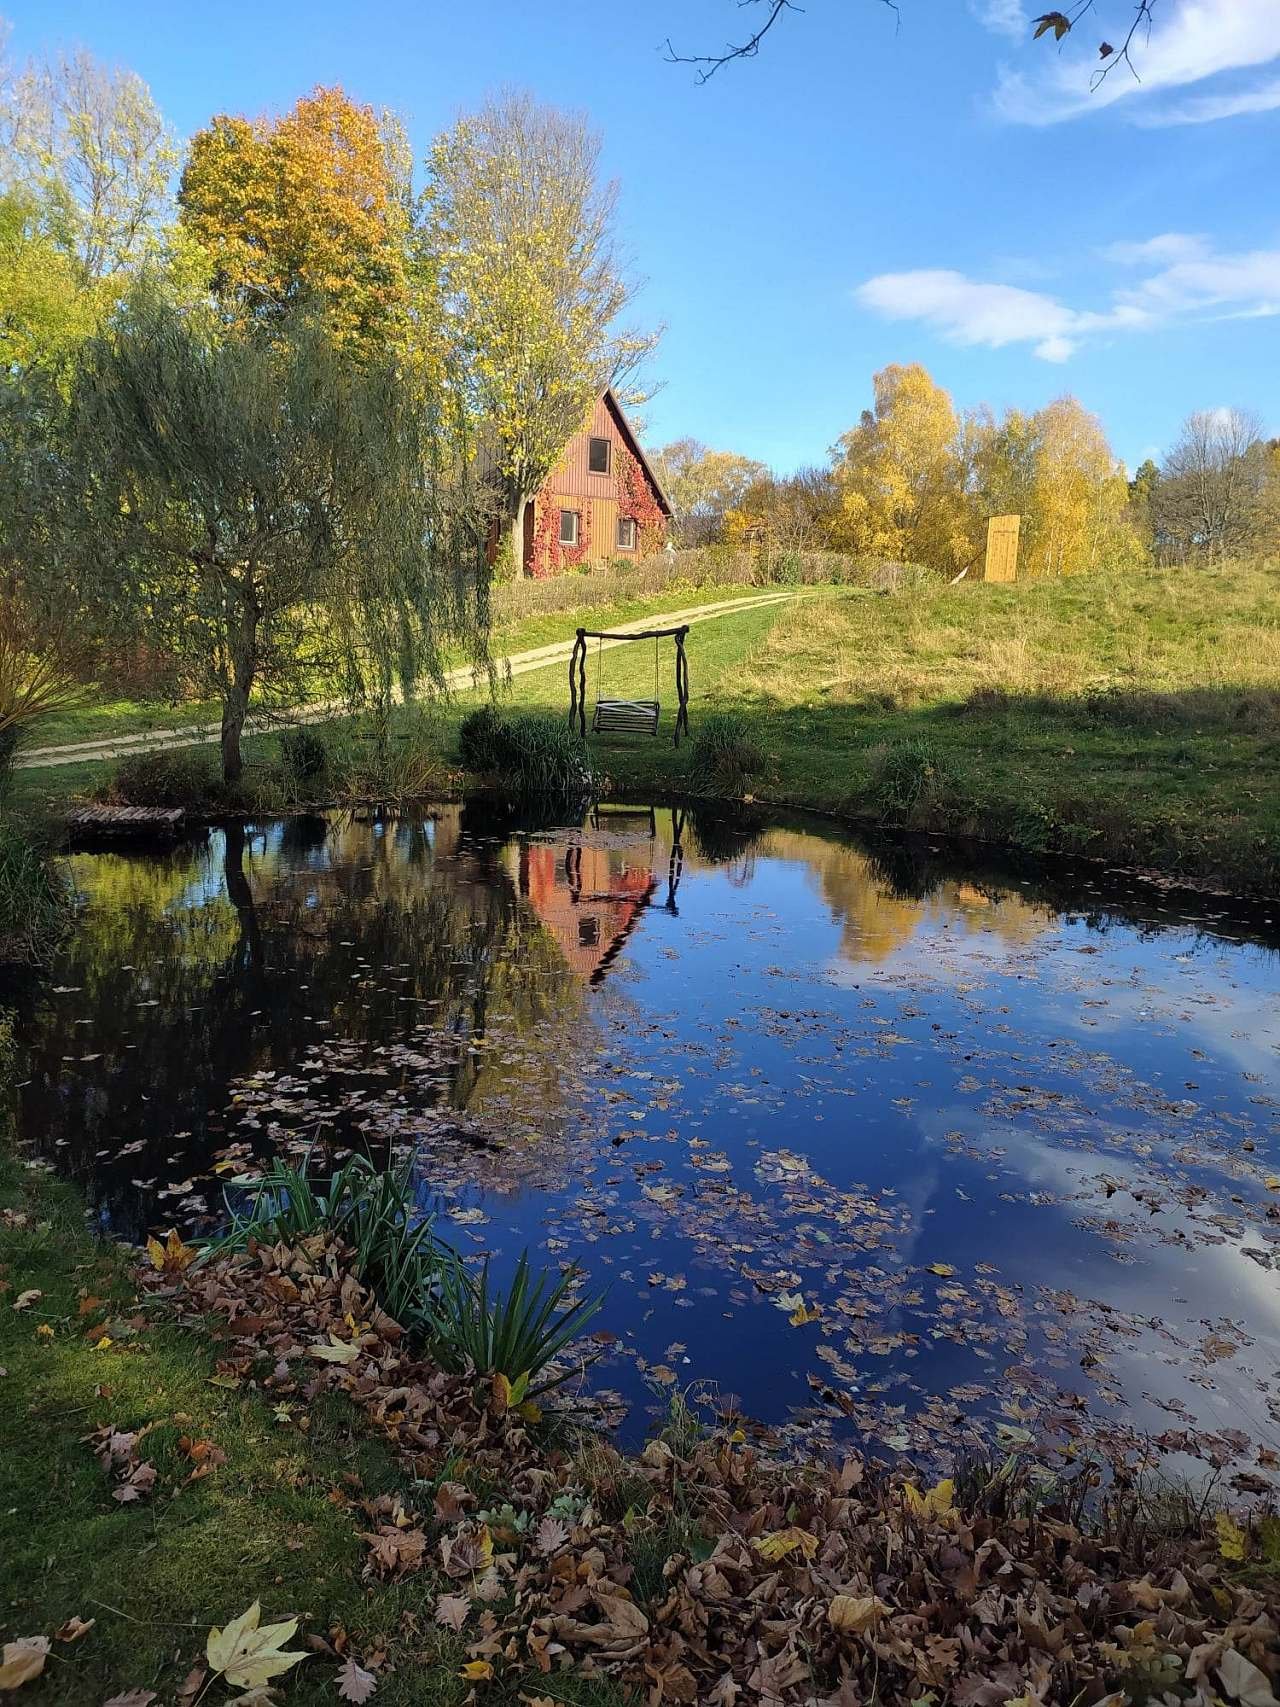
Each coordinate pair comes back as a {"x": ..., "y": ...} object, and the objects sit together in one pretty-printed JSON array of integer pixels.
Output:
[{"x": 1135, "y": 719}]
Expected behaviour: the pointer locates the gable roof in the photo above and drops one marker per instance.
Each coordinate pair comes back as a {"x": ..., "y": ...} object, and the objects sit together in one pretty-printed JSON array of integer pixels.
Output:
[{"x": 628, "y": 432}]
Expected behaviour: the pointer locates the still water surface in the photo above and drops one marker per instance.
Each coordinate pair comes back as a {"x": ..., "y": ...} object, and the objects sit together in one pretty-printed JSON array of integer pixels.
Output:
[{"x": 856, "y": 1135}]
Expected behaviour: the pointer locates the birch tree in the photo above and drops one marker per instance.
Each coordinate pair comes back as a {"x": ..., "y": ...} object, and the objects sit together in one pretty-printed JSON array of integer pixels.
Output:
[{"x": 531, "y": 283}]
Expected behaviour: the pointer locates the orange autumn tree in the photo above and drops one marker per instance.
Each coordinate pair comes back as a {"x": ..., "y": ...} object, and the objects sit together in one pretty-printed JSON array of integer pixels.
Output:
[{"x": 313, "y": 205}]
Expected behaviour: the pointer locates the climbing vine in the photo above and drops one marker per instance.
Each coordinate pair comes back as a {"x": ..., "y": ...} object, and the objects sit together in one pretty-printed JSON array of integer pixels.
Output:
[
  {"x": 636, "y": 500},
  {"x": 550, "y": 557}
]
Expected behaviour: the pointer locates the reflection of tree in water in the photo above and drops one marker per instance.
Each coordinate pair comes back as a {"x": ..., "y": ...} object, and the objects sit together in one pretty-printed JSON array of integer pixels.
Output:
[
  {"x": 876, "y": 919},
  {"x": 195, "y": 968}
]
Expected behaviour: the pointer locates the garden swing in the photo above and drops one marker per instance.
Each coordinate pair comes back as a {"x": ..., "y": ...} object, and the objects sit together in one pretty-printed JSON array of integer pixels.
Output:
[{"x": 627, "y": 716}]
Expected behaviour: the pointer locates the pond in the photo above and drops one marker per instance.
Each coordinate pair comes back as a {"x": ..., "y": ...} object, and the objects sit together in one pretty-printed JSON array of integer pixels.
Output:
[{"x": 860, "y": 1139}]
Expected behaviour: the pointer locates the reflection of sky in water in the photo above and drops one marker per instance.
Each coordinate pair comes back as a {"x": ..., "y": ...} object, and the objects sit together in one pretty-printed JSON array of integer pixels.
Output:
[{"x": 867, "y": 1075}]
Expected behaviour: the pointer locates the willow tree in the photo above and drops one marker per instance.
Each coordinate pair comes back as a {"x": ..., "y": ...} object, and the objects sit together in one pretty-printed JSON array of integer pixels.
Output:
[
  {"x": 531, "y": 284},
  {"x": 268, "y": 511}
]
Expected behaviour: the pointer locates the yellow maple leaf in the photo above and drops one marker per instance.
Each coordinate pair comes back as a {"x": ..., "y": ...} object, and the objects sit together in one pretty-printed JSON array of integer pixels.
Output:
[
  {"x": 247, "y": 1655},
  {"x": 937, "y": 1501},
  {"x": 1232, "y": 1539},
  {"x": 173, "y": 1255},
  {"x": 337, "y": 1351},
  {"x": 806, "y": 1313},
  {"x": 780, "y": 1542},
  {"x": 478, "y": 1671}
]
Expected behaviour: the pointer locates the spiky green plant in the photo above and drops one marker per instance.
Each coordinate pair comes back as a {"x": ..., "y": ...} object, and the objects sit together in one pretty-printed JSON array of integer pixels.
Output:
[
  {"x": 517, "y": 1333},
  {"x": 372, "y": 1210}
]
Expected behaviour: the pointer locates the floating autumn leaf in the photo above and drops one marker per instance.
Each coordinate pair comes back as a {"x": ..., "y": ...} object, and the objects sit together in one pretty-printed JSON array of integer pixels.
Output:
[
  {"x": 22, "y": 1660},
  {"x": 1232, "y": 1540},
  {"x": 355, "y": 1683},
  {"x": 171, "y": 1257},
  {"x": 804, "y": 1315},
  {"x": 855, "y": 1613},
  {"x": 247, "y": 1654},
  {"x": 780, "y": 1542},
  {"x": 945, "y": 1269},
  {"x": 337, "y": 1351}
]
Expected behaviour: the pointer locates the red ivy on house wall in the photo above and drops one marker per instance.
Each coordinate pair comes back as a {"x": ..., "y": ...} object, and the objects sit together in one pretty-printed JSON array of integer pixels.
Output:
[
  {"x": 636, "y": 500},
  {"x": 550, "y": 557}
]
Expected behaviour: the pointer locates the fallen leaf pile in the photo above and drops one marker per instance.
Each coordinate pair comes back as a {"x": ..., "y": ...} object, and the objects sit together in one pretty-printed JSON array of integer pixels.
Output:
[{"x": 777, "y": 1582}]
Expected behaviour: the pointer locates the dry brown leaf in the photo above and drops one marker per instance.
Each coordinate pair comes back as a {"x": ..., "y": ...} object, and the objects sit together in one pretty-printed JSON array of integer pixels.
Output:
[
  {"x": 855, "y": 1613},
  {"x": 22, "y": 1660},
  {"x": 355, "y": 1683},
  {"x": 75, "y": 1629}
]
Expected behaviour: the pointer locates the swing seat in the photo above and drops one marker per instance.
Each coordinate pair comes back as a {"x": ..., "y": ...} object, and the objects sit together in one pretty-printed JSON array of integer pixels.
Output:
[{"x": 626, "y": 717}]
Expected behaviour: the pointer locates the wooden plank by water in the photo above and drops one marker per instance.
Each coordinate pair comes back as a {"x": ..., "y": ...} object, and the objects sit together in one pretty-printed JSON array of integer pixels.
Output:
[
  {"x": 125, "y": 820},
  {"x": 1002, "y": 548}
]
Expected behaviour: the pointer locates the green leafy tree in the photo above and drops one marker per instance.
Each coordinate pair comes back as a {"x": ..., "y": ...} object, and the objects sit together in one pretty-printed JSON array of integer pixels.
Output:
[
  {"x": 531, "y": 284},
  {"x": 88, "y": 147},
  {"x": 703, "y": 486},
  {"x": 264, "y": 509}
]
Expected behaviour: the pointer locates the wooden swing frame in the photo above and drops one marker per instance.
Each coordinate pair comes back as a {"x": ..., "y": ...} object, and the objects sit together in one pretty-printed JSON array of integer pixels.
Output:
[{"x": 626, "y": 716}]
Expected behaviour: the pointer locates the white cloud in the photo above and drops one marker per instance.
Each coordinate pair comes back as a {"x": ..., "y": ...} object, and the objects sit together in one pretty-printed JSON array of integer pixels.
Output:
[
  {"x": 1191, "y": 42},
  {"x": 1002, "y": 17},
  {"x": 1185, "y": 278}
]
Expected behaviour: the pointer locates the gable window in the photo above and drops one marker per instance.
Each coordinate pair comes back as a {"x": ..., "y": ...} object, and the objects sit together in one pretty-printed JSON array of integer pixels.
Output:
[
  {"x": 598, "y": 455},
  {"x": 626, "y": 533},
  {"x": 568, "y": 527}
]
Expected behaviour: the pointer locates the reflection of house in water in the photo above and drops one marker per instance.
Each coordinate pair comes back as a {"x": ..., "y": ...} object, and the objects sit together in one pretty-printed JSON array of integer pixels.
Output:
[{"x": 590, "y": 893}]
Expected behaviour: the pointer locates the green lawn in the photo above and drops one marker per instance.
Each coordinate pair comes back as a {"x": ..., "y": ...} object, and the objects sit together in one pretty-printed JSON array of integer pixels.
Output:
[
  {"x": 1134, "y": 719},
  {"x": 272, "y": 1523},
  {"x": 102, "y": 716}
]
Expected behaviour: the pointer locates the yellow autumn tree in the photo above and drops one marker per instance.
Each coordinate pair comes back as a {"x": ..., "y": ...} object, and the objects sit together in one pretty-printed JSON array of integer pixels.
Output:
[
  {"x": 901, "y": 474},
  {"x": 311, "y": 205},
  {"x": 520, "y": 228},
  {"x": 1057, "y": 471}
]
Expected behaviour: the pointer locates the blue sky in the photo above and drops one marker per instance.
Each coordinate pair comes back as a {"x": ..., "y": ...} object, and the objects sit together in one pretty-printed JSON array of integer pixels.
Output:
[{"x": 942, "y": 190}]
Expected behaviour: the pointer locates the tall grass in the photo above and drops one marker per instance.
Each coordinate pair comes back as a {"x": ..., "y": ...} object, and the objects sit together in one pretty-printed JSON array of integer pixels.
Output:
[
  {"x": 518, "y": 1333},
  {"x": 417, "y": 1279},
  {"x": 723, "y": 754},
  {"x": 530, "y": 754},
  {"x": 35, "y": 895}
]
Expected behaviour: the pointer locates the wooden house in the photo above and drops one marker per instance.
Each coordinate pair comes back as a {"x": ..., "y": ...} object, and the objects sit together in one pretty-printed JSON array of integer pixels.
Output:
[{"x": 602, "y": 500}]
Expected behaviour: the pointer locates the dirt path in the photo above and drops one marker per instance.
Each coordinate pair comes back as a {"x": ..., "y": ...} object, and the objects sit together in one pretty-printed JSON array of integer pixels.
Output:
[{"x": 519, "y": 664}]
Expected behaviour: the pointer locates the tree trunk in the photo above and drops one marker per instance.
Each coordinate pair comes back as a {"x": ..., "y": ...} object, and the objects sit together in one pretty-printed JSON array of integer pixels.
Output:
[{"x": 242, "y": 640}]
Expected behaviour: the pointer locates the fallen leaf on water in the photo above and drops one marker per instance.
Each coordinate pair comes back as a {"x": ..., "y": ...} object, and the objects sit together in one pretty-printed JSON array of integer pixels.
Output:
[
  {"x": 355, "y": 1683},
  {"x": 23, "y": 1660},
  {"x": 804, "y": 1315},
  {"x": 945, "y": 1269},
  {"x": 247, "y": 1655}
]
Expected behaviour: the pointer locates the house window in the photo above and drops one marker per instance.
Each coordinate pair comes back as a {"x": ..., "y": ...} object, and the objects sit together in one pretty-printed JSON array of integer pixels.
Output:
[
  {"x": 626, "y": 533},
  {"x": 568, "y": 527},
  {"x": 598, "y": 453},
  {"x": 589, "y": 933}
]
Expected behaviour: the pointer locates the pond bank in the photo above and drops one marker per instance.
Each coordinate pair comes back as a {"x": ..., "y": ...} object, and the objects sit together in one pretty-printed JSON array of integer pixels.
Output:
[{"x": 175, "y": 1451}]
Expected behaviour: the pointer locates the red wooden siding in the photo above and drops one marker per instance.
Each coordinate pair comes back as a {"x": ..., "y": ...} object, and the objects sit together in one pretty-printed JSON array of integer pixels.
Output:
[{"x": 572, "y": 486}]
